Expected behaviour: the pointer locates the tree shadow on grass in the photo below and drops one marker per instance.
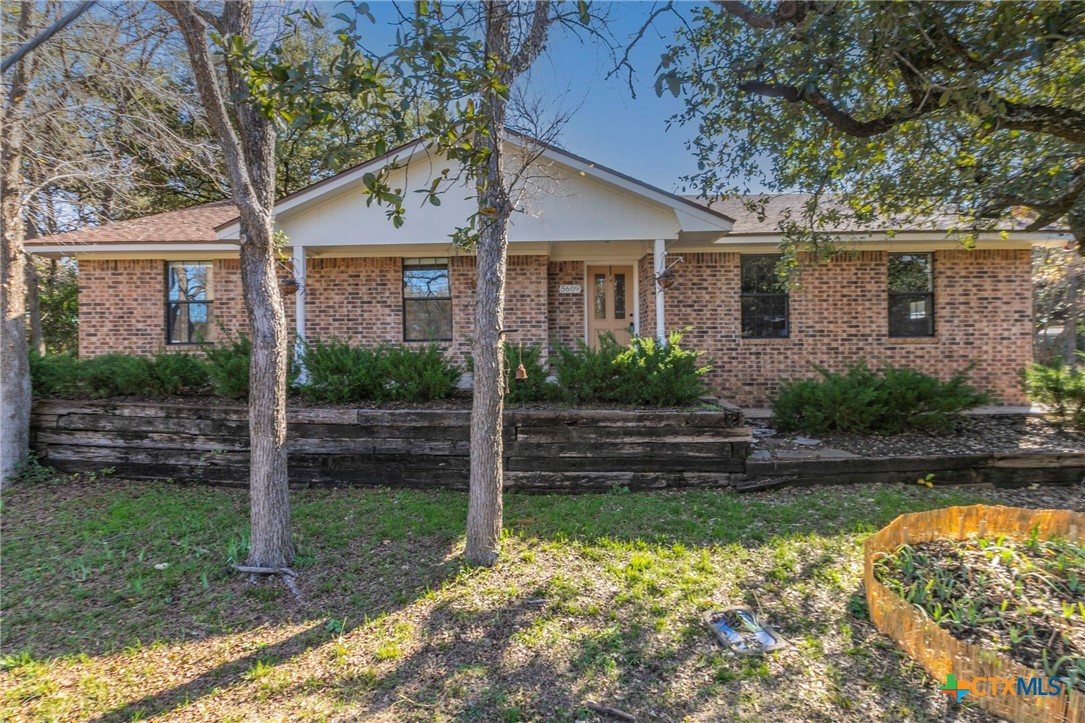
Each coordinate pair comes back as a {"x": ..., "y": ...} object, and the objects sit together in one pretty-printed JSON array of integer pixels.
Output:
[
  {"x": 434, "y": 572},
  {"x": 613, "y": 656}
]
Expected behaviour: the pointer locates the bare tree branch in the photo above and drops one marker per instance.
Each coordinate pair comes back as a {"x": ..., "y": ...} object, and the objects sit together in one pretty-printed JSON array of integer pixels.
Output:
[
  {"x": 533, "y": 44},
  {"x": 1063, "y": 122}
]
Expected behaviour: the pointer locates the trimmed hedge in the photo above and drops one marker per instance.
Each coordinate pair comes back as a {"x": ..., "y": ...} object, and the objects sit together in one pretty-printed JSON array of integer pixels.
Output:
[
  {"x": 888, "y": 400},
  {"x": 341, "y": 373},
  {"x": 118, "y": 375},
  {"x": 645, "y": 374}
]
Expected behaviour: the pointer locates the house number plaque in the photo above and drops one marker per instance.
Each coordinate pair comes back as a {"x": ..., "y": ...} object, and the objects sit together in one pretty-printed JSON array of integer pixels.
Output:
[{"x": 569, "y": 289}]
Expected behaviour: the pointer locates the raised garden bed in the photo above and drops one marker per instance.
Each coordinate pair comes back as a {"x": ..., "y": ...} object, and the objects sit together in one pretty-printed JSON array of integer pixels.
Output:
[
  {"x": 567, "y": 450},
  {"x": 981, "y": 593}
]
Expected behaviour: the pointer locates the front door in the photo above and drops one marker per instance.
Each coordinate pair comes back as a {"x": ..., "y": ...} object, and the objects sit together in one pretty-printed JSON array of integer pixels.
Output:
[{"x": 610, "y": 303}]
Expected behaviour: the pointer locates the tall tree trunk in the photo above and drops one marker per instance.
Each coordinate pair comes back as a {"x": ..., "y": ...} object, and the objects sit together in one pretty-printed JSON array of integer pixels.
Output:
[
  {"x": 33, "y": 307},
  {"x": 484, "y": 505},
  {"x": 14, "y": 364},
  {"x": 269, "y": 497},
  {"x": 247, "y": 138}
]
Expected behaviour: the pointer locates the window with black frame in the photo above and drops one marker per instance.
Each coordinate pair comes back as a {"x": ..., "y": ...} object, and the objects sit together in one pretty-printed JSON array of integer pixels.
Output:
[
  {"x": 427, "y": 300},
  {"x": 764, "y": 299},
  {"x": 188, "y": 302},
  {"x": 911, "y": 295}
]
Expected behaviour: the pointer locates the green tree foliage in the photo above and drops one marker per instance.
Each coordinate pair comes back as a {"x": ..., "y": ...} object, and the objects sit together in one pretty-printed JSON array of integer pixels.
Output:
[
  {"x": 896, "y": 109},
  {"x": 59, "y": 298},
  {"x": 1059, "y": 388}
]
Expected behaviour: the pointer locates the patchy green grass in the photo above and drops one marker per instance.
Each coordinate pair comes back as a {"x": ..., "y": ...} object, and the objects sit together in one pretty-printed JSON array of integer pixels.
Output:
[{"x": 119, "y": 604}]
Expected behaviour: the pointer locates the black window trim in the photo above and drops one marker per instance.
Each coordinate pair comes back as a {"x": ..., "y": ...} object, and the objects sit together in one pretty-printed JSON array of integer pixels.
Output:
[
  {"x": 929, "y": 294},
  {"x": 209, "y": 303},
  {"x": 447, "y": 266},
  {"x": 743, "y": 296}
]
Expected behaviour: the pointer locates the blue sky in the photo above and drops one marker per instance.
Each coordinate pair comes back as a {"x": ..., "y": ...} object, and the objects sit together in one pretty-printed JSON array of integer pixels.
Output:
[{"x": 609, "y": 126}]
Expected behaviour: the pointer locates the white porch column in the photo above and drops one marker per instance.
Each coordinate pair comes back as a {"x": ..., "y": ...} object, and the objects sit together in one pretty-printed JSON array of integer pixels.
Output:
[
  {"x": 659, "y": 262},
  {"x": 299, "y": 312}
]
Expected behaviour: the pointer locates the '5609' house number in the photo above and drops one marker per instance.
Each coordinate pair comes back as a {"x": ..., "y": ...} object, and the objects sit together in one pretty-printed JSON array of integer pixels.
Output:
[{"x": 569, "y": 289}]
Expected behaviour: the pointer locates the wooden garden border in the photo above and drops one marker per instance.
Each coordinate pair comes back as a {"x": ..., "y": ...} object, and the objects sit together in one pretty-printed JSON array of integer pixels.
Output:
[
  {"x": 938, "y": 651},
  {"x": 545, "y": 450}
]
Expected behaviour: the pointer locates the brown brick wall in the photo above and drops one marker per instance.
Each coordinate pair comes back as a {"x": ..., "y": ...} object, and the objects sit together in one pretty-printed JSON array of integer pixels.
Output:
[
  {"x": 647, "y": 292},
  {"x": 231, "y": 318},
  {"x": 122, "y": 306},
  {"x": 525, "y": 301},
  {"x": 839, "y": 316},
  {"x": 566, "y": 311},
  {"x": 359, "y": 299}
]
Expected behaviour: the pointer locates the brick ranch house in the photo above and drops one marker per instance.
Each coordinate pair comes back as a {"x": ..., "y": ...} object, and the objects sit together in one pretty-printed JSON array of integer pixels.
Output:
[{"x": 586, "y": 245}]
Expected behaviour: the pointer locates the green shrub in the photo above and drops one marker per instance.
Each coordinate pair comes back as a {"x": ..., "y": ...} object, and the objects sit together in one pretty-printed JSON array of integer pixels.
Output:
[
  {"x": 651, "y": 373},
  {"x": 116, "y": 375},
  {"x": 645, "y": 374},
  {"x": 888, "y": 400},
  {"x": 535, "y": 388},
  {"x": 228, "y": 366},
  {"x": 417, "y": 374},
  {"x": 588, "y": 375},
  {"x": 1060, "y": 389},
  {"x": 341, "y": 373},
  {"x": 54, "y": 375},
  {"x": 179, "y": 373}
]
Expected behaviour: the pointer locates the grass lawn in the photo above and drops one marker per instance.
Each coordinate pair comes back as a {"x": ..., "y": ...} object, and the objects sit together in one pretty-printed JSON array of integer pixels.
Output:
[{"x": 118, "y": 604}]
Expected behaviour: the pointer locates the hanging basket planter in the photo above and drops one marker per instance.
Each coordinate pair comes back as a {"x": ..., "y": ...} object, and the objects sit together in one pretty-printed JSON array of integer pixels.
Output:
[
  {"x": 289, "y": 285},
  {"x": 939, "y": 652}
]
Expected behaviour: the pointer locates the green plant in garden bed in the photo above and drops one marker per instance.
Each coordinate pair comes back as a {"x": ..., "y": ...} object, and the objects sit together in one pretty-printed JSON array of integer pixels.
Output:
[
  {"x": 646, "y": 373},
  {"x": 339, "y": 372},
  {"x": 1060, "y": 389},
  {"x": 117, "y": 374},
  {"x": 1026, "y": 599},
  {"x": 228, "y": 366},
  {"x": 888, "y": 400},
  {"x": 533, "y": 388}
]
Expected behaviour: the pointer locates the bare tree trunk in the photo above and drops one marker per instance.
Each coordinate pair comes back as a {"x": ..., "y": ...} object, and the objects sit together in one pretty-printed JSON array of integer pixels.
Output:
[
  {"x": 33, "y": 307},
  {"x": 247, "y": 139},
  {"x": 14, "y": 365},
  {"x": 484, "y": 505},
  {"x": 269, "y": 496}
]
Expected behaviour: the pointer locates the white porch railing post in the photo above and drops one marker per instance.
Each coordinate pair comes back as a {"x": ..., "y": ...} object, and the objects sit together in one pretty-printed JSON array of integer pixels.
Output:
[
  {"x": 659, "y": 262},
  {"x": 299, "y": 312}
]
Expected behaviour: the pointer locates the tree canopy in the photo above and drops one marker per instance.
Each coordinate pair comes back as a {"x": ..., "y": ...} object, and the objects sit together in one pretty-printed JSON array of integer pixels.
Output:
[{"x": 896, "y": 109}]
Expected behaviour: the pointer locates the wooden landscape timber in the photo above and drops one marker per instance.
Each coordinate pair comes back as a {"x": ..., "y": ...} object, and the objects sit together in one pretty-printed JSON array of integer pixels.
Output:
[{"x": 545, "y": 450}]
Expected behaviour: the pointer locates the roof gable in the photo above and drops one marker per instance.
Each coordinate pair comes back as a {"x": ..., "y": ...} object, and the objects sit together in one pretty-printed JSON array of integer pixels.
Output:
[{"x": 565, "y": 198}]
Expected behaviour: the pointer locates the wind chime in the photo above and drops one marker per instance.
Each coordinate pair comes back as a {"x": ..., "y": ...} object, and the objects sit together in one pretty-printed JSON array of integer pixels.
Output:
[{"x": 521, "y": 372}]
